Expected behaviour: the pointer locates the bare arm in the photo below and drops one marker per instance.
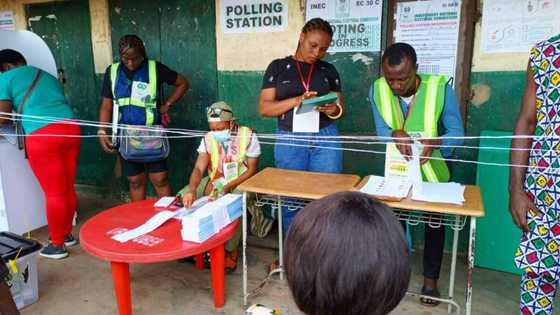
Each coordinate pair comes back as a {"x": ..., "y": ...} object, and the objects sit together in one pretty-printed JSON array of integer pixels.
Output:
[
  {"x": 181, "y": 87},
  {"x": 5, "y": 107},
  {"x": 105, "y": 115},
  {"x": 189, "y": 195},
  {"x": 270, "y": 107},
  {"x": 252, "y": 164},
  {"x": 525, "y": 126}
]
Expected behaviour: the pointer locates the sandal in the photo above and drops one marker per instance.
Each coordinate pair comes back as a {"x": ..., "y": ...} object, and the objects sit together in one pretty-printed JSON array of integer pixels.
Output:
[
  {"x": 433, "y": 292},
  {"x": 273, "y": 266}
]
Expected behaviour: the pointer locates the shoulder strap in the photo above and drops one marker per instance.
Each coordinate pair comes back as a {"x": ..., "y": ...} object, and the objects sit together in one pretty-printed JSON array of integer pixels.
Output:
[{"x": 29, "y": 90}]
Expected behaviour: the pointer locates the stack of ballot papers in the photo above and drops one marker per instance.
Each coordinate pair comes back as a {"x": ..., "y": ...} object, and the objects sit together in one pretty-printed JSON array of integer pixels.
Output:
[
  {"x": 440, "y": 193},
  {"x": 210, "y": 218},
  {"x": 388, "y": 188}
]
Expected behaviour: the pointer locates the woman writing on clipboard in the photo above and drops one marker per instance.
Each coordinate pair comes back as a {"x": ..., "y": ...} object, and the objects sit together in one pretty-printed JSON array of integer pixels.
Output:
[{"x": 305, "y": 141}]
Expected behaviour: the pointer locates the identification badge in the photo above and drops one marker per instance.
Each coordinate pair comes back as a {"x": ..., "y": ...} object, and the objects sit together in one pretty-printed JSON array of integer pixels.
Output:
[
  {"x": 140, "y": 90},
  {"x": 230, "y": 171}
]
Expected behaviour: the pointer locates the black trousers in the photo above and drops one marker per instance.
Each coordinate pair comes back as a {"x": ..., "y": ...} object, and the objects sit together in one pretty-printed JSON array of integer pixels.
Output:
[{"x": 434, "y": 239}]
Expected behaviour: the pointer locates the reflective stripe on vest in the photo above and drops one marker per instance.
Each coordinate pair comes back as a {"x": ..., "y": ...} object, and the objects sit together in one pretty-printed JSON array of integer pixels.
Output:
[
  {"x": 388, "y": 105},
  {"x": 148, "y": 104},
  {"x": 240, "y": 141}
]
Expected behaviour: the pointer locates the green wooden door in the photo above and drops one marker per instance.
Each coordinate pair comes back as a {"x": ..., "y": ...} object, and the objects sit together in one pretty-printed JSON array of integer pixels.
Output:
[{"x": 65, "y": 27}]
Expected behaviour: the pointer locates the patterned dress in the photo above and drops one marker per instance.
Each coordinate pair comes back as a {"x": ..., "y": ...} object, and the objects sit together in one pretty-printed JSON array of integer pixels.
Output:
[{"x": 538, "y": 254}]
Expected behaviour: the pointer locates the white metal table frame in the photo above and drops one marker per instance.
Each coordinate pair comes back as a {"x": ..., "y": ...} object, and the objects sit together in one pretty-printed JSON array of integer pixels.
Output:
[{"x": 415, "y": 217}]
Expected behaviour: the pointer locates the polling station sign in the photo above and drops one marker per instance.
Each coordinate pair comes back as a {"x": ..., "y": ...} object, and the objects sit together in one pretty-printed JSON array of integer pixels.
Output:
[
  {"x": 249, "y": 16},
  {"x": 356, "y": 23}
]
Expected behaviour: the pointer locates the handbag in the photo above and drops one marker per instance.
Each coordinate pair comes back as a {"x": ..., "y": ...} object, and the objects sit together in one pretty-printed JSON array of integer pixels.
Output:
[
  {"x": 143, "y": 144},
  {"x": 20, "y": 134}
]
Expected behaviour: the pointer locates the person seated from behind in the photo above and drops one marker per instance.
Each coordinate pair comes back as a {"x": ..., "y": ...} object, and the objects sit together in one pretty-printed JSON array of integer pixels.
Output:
[
  {"x": 230, "y": 154},
  {"x": 346, "y": 254}
]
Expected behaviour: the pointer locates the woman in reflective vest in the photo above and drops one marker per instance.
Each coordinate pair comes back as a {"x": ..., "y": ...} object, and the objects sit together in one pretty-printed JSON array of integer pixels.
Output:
[
  {"x": 131, "y": 91},
  {"x": 229, "y": 153}
]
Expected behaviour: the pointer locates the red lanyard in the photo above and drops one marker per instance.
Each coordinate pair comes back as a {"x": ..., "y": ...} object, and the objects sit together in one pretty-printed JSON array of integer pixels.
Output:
[{"x": 306, "y": 85}]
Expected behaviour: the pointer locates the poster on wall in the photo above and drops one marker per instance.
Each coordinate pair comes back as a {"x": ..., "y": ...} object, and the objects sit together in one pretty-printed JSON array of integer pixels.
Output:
[
  {"x": 432, "y": 28},
  {"x": 356, "y": 23},
  {"x": 7, "y": 21},
  {"x": 516, "y": 26},
  {"x": 253, "y": 16}
]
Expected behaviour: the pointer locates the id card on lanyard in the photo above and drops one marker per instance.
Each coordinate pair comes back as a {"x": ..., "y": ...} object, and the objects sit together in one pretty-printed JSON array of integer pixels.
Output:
[
  {"x": 230, "y": 171},
  {"x": 305, "y": 122}
]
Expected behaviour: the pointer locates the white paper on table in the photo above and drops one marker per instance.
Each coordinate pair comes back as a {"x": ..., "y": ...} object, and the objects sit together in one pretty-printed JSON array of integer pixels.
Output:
[
  {"x": 180, "y": 213},
  {"x": 306, "y": 122},
  {"x": 396, "y": 187},
  {"x": 441, "y": 192},
  {"x": 164, "y": 202},
  {"x": 150, "y": 225}
]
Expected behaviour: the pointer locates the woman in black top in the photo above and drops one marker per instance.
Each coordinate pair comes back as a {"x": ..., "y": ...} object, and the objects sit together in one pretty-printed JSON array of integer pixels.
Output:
[{"x": 286, "y": 83}]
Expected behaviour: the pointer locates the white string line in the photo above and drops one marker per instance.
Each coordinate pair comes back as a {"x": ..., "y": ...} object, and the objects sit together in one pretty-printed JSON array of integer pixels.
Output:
[
  {"x": 93, "y": 123},
  {"x": 189, "y": 133},
  {"x": 429, "y": 158},
  {"x": 311, "y": 146}
]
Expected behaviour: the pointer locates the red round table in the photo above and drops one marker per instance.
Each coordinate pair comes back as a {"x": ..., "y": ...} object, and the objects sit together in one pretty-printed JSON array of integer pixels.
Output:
[{"x": 164, "y": 243}]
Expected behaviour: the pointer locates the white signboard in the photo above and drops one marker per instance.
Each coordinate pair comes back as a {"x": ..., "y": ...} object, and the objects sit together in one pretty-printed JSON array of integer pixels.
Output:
[
  {"x": 7, "y": 21},
  {"x": 432, "y": 28},
  {"x": 356, "y": 23},
  {"x": 250, "y": 16},
  {"x": 517, "y": 25}
]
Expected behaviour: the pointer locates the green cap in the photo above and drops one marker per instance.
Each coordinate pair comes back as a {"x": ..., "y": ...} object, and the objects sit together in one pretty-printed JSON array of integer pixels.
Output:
[{"x": 219, "y": 111}]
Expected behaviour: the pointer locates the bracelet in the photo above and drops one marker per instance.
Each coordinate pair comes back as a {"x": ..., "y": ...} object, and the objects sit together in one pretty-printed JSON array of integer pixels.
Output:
[
  {"x": 101, "y": 132},
  {"x": 337, "y": 116}
]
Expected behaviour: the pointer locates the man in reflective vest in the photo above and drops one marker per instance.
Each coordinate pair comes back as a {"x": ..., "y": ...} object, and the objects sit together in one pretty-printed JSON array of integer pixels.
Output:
[
  {"x": 230, "y": 154},
  {"x": 406, "y": 105}
]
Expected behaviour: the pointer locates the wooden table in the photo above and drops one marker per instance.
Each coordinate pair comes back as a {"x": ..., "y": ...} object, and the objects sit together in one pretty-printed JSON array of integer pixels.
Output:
[
  {"x": 163, "y": 244},
  {"x": 272, "y": 186},
  {"x": 445, "y": 214}
]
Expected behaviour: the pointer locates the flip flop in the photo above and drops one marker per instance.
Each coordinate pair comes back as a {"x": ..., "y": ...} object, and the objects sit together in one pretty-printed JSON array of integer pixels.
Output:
[{"x": 430, "y": 292}]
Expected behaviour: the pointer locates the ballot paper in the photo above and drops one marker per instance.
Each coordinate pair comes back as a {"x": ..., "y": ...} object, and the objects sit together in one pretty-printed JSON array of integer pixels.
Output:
[
  {"x": 150, "y": 225},
  {"x": 440, "y": 193},
  {"x": 305, "y": 122},
  {"x": 387, "y": 187},
  {"x": 164, "y": 202},
  {"x": 209, "y": 219}
]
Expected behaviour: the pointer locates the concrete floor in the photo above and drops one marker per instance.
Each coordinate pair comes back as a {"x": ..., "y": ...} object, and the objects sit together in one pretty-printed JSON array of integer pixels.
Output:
[{"x": 82, "y": 284}]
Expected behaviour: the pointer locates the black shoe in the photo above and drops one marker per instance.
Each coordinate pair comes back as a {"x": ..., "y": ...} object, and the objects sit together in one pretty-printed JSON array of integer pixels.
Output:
[
  {"x": 54, "y": 252},
  {"x": 70, "y": 241}
]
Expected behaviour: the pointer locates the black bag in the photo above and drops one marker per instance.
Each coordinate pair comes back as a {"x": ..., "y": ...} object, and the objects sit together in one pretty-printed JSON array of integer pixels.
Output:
[{"x": 18, "y": 121}]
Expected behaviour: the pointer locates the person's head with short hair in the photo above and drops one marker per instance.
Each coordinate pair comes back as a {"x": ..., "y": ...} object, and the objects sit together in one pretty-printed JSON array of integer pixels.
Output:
[
  {"x": 10, "y": 58},
  {"x": 346, "y": 254},
  {"x": 314, "y": 40},
  {"x": 132, "y": 51},
  {"x": 399, "y": 65}
]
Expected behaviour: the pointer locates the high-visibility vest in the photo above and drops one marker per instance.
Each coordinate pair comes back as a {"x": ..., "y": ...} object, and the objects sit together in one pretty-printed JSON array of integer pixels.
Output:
[
  {"x": 236, "y": 152},
  {"x": 135, "y": 111},
  {"x": 423, "y": 117}
]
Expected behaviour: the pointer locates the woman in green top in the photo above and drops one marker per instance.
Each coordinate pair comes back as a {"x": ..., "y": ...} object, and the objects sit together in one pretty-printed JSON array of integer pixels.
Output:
[{"x": 52, "y": 141}]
